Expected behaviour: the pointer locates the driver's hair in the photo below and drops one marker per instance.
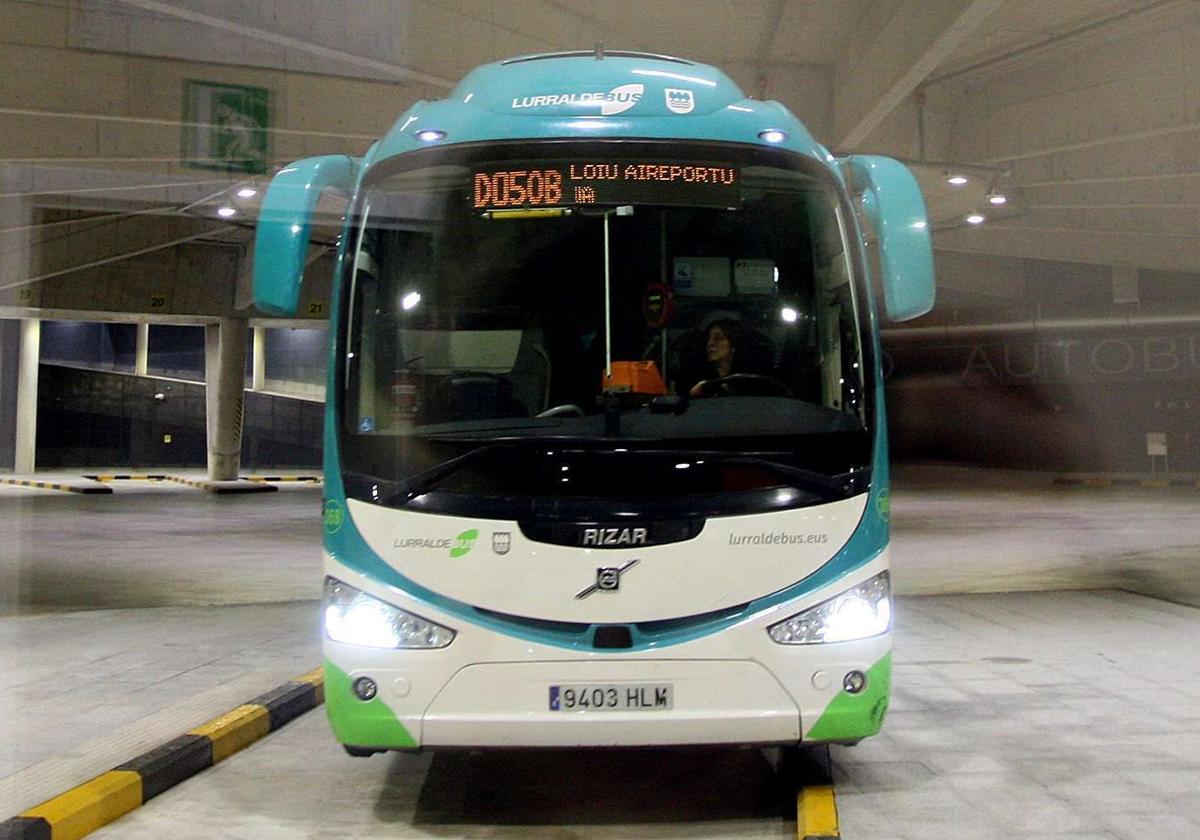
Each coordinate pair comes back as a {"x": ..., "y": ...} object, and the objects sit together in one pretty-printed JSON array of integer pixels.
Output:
[{"x": 733, "y": 331}]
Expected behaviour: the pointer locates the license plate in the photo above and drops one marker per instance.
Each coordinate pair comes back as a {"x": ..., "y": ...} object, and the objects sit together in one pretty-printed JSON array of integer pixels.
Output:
[{"x": 612, "y": 697}]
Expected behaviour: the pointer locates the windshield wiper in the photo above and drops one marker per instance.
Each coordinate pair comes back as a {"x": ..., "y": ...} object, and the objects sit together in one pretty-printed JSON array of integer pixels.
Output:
[
  {"x": 804, "y": 478},
  {"x": 838, "y": 483},
  {"x": 422, "y": 482}
]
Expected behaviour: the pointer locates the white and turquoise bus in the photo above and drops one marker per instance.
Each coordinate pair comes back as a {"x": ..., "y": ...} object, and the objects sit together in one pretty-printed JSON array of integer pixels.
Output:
[{"x": 605, "y": 456}]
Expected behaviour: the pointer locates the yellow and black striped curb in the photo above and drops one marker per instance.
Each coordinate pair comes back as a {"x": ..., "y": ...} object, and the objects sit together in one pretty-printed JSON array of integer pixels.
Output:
[
  {"x": 126, "y": 477},
  {"x": 816, "y": 813},
  {"x": 53, "y": 485},
  {"x": 107, "y": 797},
  {"x": 307, "y": 478},
  {"x": 1126, "y": 482},
  {"x": 236, "y": 486},
  {"x": 816, "y": 807}
]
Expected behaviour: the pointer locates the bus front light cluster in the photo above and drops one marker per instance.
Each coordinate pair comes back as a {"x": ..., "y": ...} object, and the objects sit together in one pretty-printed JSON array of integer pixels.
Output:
[
  {"x": 858, "y": 613},
  {"x": 355, "y": 618}
]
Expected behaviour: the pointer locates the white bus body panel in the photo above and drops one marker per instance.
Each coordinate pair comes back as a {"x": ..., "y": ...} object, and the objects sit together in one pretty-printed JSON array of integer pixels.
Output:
[
  {"x": 489, "y": 689},
  {"x": 734, "y": 560}
]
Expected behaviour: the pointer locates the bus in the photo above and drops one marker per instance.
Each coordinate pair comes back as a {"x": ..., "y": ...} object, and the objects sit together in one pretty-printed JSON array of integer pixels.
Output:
[{"x": 604, "y": 449}]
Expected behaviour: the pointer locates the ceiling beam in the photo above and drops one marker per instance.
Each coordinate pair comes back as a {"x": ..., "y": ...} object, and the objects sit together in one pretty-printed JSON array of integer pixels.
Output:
[
  {"x": 1033, "y": 52},
  {"x": 767, "y": 45},
  {"x": 1167, "y": 252},
  {"x": 1112, "y": 179},
  {"x": 871, "y": 79},
  {"x": 382, "y": 67},
  {"x": 1147, "y": 134}
]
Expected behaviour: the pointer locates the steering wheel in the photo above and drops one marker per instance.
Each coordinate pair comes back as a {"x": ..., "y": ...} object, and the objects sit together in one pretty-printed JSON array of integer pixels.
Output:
[
  {"x": 564, "y": 410},
  {"x": 745, "y": 384}
]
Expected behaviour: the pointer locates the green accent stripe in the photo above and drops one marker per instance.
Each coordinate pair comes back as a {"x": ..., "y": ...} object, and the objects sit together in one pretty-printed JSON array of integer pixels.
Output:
[
  {"x": 849, "y": 717},
  {"x": 359, "y": 724}
]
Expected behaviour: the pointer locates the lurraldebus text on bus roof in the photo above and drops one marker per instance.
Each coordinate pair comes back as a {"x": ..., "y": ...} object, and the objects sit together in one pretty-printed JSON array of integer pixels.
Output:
[{"x": 573, "y": 183}]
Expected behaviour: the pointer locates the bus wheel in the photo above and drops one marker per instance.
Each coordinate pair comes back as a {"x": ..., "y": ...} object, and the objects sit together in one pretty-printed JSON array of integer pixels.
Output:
[{"x": 360, "y": 752}]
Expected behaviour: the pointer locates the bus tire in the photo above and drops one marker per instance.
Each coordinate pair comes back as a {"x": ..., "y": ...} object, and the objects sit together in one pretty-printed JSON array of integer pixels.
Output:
[{"x": 360, "y": 752}]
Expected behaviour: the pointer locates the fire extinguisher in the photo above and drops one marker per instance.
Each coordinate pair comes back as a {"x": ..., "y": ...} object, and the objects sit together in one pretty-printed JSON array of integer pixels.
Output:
[{"x": 406, "y": 397}]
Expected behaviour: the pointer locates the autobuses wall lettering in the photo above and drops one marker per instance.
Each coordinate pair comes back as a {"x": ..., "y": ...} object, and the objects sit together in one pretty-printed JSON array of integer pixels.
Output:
[{"x": 1128, "y": 358}]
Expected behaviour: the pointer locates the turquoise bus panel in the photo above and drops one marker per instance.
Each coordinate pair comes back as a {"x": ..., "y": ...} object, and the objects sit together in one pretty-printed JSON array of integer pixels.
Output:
[
  {"x": 580, "y": 97},
  {"x": 284, "y": 224},
  {"x": 892, "y": 201}
]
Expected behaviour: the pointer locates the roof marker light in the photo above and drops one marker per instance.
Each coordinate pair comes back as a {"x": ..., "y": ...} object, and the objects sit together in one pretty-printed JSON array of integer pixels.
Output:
[
  {"x": 430, "y": 135},
  {"x": 772, "y": 135}
]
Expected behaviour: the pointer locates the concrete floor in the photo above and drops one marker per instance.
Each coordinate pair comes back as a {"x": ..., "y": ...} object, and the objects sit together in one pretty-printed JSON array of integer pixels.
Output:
[
  {"x": 1051, "y": 714},
  {"x": 1012, "y": 717}
]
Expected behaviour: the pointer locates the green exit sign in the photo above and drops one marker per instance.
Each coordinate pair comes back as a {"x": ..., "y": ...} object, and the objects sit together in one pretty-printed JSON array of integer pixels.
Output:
[{"x": 226, "y": 127}]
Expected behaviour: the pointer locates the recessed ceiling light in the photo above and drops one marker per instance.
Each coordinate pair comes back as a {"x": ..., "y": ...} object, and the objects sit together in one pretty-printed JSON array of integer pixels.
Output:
[
  {"x": 957, "y": 180},
  {"x": 226, "y": 212},
  {"x": 997, "y": 199},
  {"x": 976, "y": 219},
  {"x": 247, "y": 192}
]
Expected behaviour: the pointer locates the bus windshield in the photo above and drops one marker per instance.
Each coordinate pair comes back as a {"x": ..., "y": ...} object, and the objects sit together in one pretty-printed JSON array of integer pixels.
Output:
[{"x": 523, "y": 326}]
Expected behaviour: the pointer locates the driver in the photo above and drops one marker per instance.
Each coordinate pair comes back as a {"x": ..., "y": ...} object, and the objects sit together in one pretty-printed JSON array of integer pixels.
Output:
[{"x": 722, "y": 339}]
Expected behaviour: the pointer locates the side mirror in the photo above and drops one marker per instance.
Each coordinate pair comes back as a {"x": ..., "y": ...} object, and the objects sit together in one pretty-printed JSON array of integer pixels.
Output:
[
  {"x": 284, "y": 222},
  {"x": 892, "y": 202}
]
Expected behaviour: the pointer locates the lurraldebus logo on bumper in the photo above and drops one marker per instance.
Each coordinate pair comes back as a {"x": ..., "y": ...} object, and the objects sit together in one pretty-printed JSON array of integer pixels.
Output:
[{"x": 459, "y": 546}]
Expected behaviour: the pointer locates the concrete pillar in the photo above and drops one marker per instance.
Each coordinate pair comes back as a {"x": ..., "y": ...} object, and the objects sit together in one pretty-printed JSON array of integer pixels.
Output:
[
  {"x": 258, "y": 381},
  {"x": 141, "y": 358},
  {"x": 25, "y": 453},
  {"x": 225, "y": 380},
  {"x": 10, "y": 352}
]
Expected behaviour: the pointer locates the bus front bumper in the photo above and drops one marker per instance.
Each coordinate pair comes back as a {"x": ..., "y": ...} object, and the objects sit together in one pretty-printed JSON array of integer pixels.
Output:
[{"x": 416, "y": 704}]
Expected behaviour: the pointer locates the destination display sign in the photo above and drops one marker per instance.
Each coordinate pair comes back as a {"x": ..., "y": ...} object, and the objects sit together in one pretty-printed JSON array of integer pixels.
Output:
[{"x": 576, "y": 183}]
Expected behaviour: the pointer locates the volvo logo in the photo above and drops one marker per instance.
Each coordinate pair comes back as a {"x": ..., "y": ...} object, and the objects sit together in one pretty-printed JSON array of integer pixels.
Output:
[
  {"x": 608, "y": 579},
  {"x": 613, "y": 536}
]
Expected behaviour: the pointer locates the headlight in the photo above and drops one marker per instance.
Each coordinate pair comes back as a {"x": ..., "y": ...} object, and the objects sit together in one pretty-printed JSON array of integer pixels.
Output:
[
  {"x": 858, "y": 613},
  {"x": 355, "y": 618}
]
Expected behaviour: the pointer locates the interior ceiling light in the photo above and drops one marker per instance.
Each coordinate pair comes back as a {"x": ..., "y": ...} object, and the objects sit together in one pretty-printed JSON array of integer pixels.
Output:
[
  {"x": 957, "y": 180},
  {"x": 976, "y": 219},
  {"x": 247, "y": 192},
  {"x": 226, "y": 212},
  {"x": 997, "y": 199}
]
